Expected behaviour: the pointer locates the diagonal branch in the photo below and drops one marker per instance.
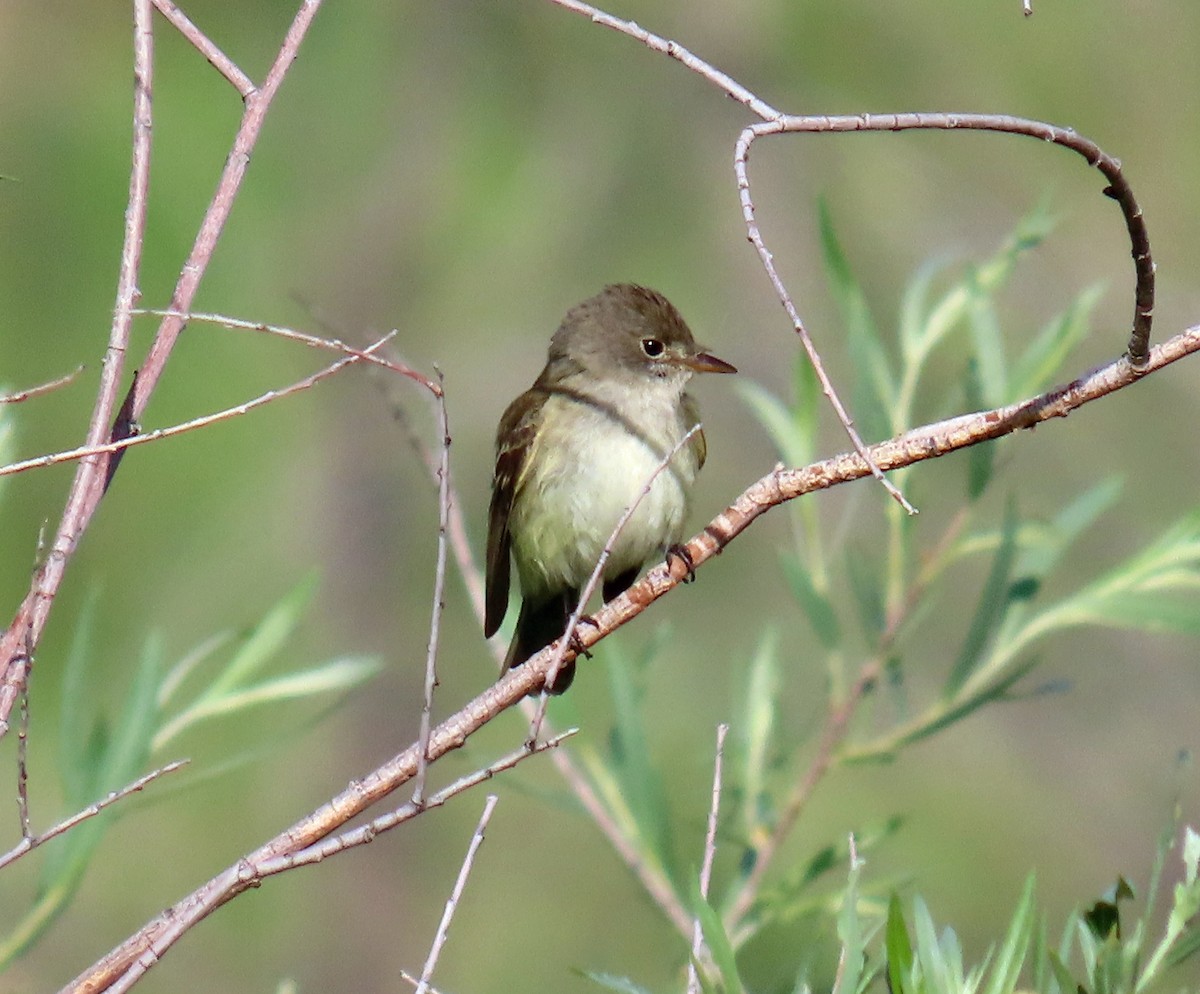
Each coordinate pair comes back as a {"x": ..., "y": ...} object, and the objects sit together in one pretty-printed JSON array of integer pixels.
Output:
[{"x": 778, "y": 487}]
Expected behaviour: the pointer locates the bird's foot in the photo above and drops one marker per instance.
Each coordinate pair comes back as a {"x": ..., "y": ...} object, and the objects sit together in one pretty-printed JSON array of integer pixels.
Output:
[
  {"x": 675, "y": 551},
  {"x": 576, "y": 643}
]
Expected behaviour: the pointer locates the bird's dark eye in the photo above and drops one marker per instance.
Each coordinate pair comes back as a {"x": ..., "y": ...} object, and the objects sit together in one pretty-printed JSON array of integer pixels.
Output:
[{"x": 652, "y": 347}]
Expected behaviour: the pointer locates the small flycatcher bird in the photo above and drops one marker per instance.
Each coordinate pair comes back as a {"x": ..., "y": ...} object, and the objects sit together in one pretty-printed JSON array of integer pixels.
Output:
[{"x": 574, "y": 452}]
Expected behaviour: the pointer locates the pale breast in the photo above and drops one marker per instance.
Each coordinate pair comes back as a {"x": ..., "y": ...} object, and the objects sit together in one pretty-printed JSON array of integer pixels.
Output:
[{"x": 589, "y": 467}]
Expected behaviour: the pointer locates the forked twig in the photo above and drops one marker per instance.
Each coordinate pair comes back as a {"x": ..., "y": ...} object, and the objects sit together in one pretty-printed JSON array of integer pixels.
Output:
[
  {"x": 129, "y": 441},
  {"x": 443, "y": 929},
  {"x": 42, "y": 388},
  {"x": 31, "y": 842}
]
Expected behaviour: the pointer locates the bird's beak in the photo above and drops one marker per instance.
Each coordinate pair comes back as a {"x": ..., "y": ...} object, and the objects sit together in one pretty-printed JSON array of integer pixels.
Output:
[{"x": 703, "y": 362}]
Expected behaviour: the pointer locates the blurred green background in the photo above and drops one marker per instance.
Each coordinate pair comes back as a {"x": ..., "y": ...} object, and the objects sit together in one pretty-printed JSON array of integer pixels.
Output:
[{"x": 463, "y": 173}]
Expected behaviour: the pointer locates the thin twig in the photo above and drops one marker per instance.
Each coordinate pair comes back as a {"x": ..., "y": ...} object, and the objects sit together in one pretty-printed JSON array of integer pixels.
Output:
[
  {"x": 41, "y": 388},
  {"x": 22, "y": 768},
  {"x": 439, "y": 598},
  {"x": 410, "y": 979},
  {"x": 291, "y": 334},
  {"x": 364, "y": 834},
  {"x": 29, "y": 843},
  {"x": 202, "y": 422},
  {"x": 206, "y": 47},
  {"x": 710, "y": 850},
  {"x": 656, "y": 43},
  {"x": 767, "y": 259},
  {"x": 564, "y": 643},
  {"x": 443, "y": 929}
]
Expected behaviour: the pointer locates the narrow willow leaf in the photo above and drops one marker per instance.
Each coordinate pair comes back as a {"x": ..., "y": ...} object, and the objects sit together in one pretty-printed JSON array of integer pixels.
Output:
[
  {"x": 874, "y": 392},
  {"x": 795, "y": 446},
  {"x": 980, "y": 458},
  {"x": 817, "y": 607},
  {"x": 867, "y": 587},
  {"x": 267, "y": 638},
  {"x": 717, "y": 941},
  {"x": 993, "y": 601},
  {"x": 1067, "y": 984},
  {"x": 899, "y": 950},
  {"x": 622, "y": 985},
  {"x": 1006, "y": 966},
  {"x": 757, "y": 732},
  {"x": 641, "y": 784},
  {"x": 852, "y": 935},
  {"x": 928, "y": 951},
  {"x": 807, "y": 403},
  {"x": 1038, "y": 559},
  {"x": 952, "y": 308},
  {"x": 914, "y": 308},
  {"x": 1044, "y": 358},
  {"x": 78, "y": 761},
  {"x": 987, "y": 350},
  {"x": 337, "y": 675}
]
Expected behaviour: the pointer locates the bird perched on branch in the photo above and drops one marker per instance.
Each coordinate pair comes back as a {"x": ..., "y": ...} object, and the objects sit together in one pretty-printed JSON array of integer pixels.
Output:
[{"x": 578, "y": 448}]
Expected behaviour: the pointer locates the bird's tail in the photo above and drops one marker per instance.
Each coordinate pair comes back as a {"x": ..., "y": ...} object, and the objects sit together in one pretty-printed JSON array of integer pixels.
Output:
[{"x": 537, "y": 626}]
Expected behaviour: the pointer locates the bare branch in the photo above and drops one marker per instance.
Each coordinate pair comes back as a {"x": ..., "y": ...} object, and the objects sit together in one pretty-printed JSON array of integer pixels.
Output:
[
  {"x": 460, "y": 884},
  {"x": 312, "y": 341},
  {"x": 31, "y": 842},
  {"x": 42, "y": 388},
  {"x": 202, "y": 422},
  {"x": 710, "y": 850},
  {"x": 205, "y": 46},
  {"x": 439, "y": 603}
]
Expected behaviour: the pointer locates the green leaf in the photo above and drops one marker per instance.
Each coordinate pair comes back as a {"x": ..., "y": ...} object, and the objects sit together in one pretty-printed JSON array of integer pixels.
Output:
[
  {"x": 107, "y": 762},
  {"x": 993, "y": 602},
  {"x": 867, "y": 587},
  {"x": 853, "y": 935},
  {"x": 899, "y": 949},
  {"x": 78, "y": 754},
  {"x": 1006, "y": 967},
  {"x": 816, "y": 605},
  {"x": 987, "y": 361},
  {"x": 795, "y": 445},
  {"x": 622, "y": 985},
  {"x": 1067, "y": 984},
  {"x": 640, "y": 782},
  {"x": 267, "y": 638},
  {"x": 1046, "y": 354},
  {"x": 335, "y": 676},
  {"x": 717, "y": 941},
  {"x": 1037, "y": 559},
  {"x": 756, "y": 731},
  {"x": 980, "y": 458},
  {"x": 874, "y": 393}
]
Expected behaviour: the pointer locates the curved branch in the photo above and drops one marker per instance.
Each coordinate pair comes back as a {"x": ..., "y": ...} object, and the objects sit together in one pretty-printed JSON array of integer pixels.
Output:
[{"x": 1118, "y": 186}]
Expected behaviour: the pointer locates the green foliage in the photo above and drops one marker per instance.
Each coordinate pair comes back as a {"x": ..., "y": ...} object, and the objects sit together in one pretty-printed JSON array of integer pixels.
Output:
[
  {"x": 98, "y": 757},
  {"x": 870, "y": 609}
]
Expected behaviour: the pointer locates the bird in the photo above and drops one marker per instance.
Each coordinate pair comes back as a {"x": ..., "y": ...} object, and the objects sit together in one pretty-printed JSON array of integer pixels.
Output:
[{"x": 576, "y": 449}]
